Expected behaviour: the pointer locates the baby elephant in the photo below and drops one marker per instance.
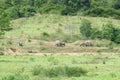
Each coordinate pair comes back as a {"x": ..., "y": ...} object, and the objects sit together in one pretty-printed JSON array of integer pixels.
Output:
[{"x": 59, "y": 43}]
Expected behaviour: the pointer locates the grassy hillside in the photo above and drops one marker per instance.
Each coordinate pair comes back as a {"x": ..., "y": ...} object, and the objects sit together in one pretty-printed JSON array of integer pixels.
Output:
[
  {"x": 39, "y": 33},
  {"x": 35, "y": 26}
]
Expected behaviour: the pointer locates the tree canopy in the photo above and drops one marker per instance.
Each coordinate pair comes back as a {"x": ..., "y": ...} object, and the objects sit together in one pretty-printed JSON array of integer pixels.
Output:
[{"x": 25, "y": 8}]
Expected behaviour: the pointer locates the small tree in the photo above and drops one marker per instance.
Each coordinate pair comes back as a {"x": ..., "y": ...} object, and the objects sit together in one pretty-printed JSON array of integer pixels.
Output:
[
  {"x": 85, "y": 28},
  {"x": 116, "y": 37},
  {"x": 108, "y": 31},
  {"x": 111, "y": 33},
  {"x": 96, "y": 34},
  {"x": 117, "y": 4},
  {"x": 4, "y": 22}
]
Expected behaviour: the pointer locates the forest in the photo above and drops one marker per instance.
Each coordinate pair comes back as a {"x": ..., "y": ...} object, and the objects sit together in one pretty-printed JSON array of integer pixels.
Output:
[{"x": 25, "y": 8}]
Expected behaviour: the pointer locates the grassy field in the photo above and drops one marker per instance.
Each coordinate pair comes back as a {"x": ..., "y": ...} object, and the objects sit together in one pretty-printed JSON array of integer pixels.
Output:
[
  {"x": 33, "y": 27},
  {"x": 39, "y": 33},
  {"x": 85, "y": 67}
]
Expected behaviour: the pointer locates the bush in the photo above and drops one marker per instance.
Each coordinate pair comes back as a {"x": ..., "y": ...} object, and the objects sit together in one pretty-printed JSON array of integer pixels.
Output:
[
  {"x": 103, "y": 12},
  {"x": 37, "y": 70},
  {"x": 116, "y": 37},
  {"x": 96, "y": 34},
  {"x": 108, "y": 31},
  {"x": 27, "y": 11},
  {"x": 75, "y": 71},
  {"x": 85, "y": 28},
  {"x": 68, "y": 11},
  {"x": 1, "y": 53},
  {"x": 15, "y": 77},
  {"x": 10, "y": 77},
  {"x": 111, "y": 33},
  {"x": 59, "y": 71},
  {"x": 117, "y": 4},
  {"x": 44, "y": 36}
]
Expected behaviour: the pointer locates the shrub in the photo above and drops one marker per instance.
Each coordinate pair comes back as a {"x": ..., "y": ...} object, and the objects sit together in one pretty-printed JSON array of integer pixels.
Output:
[
  {"x": 44, "y": 36},
  {"x": 108, "y": 31},
  {"x": 27, "y": 11},
  {"x": 111, "y": 33},
  {"x": 58, "y": 71},
  {"x": 37, "y": 70},
  {"x": 10, "y": 42},
  {"x": 85, "y": 28},
  {"x": 29, "y": 40},
  {"x": 116, "y": 37},
  {"x": 104, "y": 62},
  {"x": 75, "y": 71},
  {"x": 66, "y": 71},
  {"x": 103, "y": 12},
  {"x": 1, "y": 53},
  {"x": 10, "y": 77},
  {"x": 117, "y": 4},
  {"x": 30, "y": 51},
  {"x": 96, "y": 34},
  {"x": 32, "y": 59}
]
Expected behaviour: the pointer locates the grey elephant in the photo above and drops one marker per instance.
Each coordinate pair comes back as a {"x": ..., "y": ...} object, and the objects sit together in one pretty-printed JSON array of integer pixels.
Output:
[
  {"x": 87, "y": 43},
  {"x": 59, "y": 43}
]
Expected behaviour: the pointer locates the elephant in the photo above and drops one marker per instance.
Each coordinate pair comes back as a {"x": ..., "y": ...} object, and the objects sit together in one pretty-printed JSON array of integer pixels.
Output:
[
  {"x": 60, "y": 43},
  {"x": 87, "y": 43}
]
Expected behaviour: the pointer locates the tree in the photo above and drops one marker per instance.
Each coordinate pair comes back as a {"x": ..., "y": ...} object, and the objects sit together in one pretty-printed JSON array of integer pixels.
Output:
[
  {"x": 85, "y": 28},
  {"x": 117, "y": 4},
  {"x": 108, "y": 31},
  {"x": 4, "y": 22}
]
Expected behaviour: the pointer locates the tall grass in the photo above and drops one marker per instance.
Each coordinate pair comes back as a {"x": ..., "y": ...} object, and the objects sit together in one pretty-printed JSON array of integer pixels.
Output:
[{"x": 58, "y": 71}]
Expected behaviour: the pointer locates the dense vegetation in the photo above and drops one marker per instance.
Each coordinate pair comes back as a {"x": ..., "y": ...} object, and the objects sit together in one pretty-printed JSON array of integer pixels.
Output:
[
  {"x": 26, "y": 8},
  {"x": 13, "y": 9},
  {"x": 108, "y": 32}
]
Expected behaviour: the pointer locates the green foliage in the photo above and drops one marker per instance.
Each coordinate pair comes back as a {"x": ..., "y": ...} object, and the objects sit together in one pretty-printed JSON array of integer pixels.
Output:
[
  {"x": 27, "y": 11},
  {"x": 37, "y": 70},
  {"x": 103, "y": 12},
  {"x": 4, "y": 22},
  {"x": 1, "y": 53},
  {"x": 116, "y": 37},
  {"x": 10, "y": 77},
  {"x": 108, "y": 31},
  {"x": 96, "y": 34},
  {"x": 26, "y": 8},
  {"x": 117, "y": 4},
  {"x": 75, "y": 71},
  {"x": 59, "y": 71},
  {"x": 85, "y": 28},
  {"x": 44, "y": 36},
  {"x": 111, "y": 33}
]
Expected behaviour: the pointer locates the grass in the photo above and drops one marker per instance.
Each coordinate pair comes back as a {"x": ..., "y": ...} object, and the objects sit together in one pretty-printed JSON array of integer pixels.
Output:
[
  {"x": 100, "y": 67},
  {"x": 34, "y": 31},
  {"x": 51, "y": 23},
  {"x": 29, "y": 31}
]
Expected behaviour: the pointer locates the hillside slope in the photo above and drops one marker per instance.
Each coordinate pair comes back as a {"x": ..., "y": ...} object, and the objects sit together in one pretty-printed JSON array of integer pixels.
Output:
[
  {"x": 34, "y": 26},
  {"x": 38, "y": 34}
]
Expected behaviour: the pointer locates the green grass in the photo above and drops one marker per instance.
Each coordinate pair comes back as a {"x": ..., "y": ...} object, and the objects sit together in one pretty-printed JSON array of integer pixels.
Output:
[
  {"x": 100, "y": 67},
  {"x": 51, "y": 27}
]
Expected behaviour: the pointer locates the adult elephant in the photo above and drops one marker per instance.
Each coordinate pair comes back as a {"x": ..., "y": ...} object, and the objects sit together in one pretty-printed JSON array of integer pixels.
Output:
[
  {"x": 59, "y": 43},
  {"x": 87, "y": 43}
]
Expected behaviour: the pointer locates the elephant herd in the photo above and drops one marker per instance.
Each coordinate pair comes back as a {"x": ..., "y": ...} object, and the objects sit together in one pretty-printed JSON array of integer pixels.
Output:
[{"x": 87, "y": 43}]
